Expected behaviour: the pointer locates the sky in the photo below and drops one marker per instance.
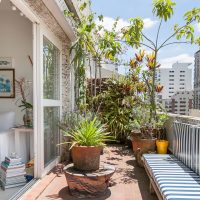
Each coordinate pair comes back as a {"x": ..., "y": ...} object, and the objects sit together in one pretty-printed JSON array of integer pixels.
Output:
[{"x": 126, "y": 9}]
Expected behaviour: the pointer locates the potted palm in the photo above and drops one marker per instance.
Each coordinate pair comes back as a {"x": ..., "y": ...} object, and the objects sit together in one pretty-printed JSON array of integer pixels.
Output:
[{"x": 87, "y": 139}]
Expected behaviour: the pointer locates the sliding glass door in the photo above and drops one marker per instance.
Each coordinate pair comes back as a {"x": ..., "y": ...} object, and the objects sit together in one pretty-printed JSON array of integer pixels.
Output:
[{"x": 51, "y": 99}]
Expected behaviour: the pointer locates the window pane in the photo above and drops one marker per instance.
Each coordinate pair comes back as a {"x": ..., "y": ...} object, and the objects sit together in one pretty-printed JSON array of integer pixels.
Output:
[
  {"x": 51, "y": 61},
  {"x": 51, "y": 133}
]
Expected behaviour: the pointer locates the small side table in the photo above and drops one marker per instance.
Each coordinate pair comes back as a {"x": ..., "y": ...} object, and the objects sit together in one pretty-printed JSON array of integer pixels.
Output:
[{"x": 24, "y": 145}]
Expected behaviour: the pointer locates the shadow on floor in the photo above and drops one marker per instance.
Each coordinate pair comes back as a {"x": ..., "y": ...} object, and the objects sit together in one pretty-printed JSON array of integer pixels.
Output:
[{"x": 65, "y": 195}]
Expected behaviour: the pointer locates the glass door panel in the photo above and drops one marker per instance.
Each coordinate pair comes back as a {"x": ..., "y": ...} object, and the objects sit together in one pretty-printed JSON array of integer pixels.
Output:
[
  {"x": 51, "y": 99},
  {"x": 51, "y": 58},
  {"x": 51, "y": 136}
]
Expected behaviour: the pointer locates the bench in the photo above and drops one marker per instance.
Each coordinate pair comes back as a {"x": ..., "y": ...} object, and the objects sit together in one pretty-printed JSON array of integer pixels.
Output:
[
  {"x": 170, "y": 178},
  {"x": 176, "y": 177}
]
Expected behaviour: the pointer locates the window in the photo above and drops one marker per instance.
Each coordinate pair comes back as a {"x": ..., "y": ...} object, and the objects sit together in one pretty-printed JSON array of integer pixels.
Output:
[
  {"x": 51, "y": 70},
  {"x": 171, "y": 83},
  {"x": 171, "y": 75},
  {"x": 182, "y": 71},
  {"x": 171, "y": 71},
  {"x": 182, "y": 75},
  {"x": 182, "y": 83},
  {"x": 170, "y": 88},
  {"x": 181, "y": 88},
  {"x": 171, "y": 79},
  {"x": 182, "y": 79},
  {"x": 171, "y": 92}
]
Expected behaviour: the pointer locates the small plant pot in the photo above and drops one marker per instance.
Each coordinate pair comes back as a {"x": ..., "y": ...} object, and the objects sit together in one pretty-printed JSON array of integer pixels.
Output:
[
  {"x": 86, "y": 158},
  {"x": 162, "y": 146}
]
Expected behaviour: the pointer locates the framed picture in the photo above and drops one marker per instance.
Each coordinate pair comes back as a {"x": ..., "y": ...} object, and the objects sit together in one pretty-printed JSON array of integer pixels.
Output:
[
  {"x": 6, "y": 62},
  {"x": 7, "y": 83}
]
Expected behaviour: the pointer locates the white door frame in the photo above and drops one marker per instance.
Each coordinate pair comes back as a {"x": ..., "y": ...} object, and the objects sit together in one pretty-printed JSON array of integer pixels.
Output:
[
  {"x": 39, "y": 29},
  {"x": 45, "y": 32}
]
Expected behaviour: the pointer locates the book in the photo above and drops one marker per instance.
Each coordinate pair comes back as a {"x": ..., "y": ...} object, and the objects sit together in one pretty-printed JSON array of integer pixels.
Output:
[
  {"x": 12, "y": 160},
  {"x": 12, "y": 185},
  {"x": 8, "y": 166}
]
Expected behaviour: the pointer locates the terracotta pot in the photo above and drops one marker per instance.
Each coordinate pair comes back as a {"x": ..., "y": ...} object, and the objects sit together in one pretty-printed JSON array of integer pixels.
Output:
[
  {"x": 86, "y": 158},
  {"x": 145, "y": 145}
]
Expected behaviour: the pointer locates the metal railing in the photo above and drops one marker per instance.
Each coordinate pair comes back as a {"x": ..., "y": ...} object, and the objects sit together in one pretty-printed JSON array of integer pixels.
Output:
[{"x": 186, "y": 144}]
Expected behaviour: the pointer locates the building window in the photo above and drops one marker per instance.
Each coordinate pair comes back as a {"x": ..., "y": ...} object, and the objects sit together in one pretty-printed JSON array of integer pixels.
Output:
[
  {"x": 182, "y": 75},
  {"x": 182, "y": 79},
  {"x": 171, "y": 83},
  {"x": 170, "y": 88},
  {"x": 171, "y": 79},
  {"x": 171, "y": 71},
  {"x": 182, "y": 71},
  {"x": 171, "y": 75}
]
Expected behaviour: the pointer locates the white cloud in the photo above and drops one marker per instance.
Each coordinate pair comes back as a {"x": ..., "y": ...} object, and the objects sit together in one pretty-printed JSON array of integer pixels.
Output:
[
  {"x": 109, "y": 21},
  {"x": 149, "y": 23},
  {"x": 185, "y": 58}
]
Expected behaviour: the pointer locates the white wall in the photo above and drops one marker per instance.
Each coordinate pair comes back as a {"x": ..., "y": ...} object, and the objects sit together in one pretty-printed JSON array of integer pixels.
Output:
[
  {"x": 171, "y": 87},
  {"x": 16, "y": 42}
]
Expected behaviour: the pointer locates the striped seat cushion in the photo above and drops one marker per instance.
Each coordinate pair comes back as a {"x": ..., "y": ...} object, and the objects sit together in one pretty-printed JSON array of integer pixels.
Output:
[{"x": 174, "y": 180}]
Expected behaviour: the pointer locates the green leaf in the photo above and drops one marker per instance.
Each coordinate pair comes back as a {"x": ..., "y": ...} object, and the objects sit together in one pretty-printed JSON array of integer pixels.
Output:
[{"x": 163, "y": 9}]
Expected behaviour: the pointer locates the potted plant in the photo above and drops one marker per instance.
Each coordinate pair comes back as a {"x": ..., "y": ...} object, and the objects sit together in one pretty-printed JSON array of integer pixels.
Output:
[
  {"x": 87, "y": 140},
  {"x": 23, "y": 89},
  {"x": 116, "y": 106},
  {"x": 162, "y": 143}
]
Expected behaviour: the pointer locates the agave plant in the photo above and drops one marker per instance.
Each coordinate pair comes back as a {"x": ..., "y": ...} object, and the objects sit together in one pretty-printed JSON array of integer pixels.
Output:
[{"x": 89, "y": 132}]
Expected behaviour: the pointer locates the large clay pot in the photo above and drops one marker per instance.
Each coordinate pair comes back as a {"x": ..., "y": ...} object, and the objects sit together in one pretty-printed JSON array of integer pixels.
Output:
[
  {"x": 86, "y": 158},
  {"x": 145, "y": 145},
  {"x": 141, "y": 146}
]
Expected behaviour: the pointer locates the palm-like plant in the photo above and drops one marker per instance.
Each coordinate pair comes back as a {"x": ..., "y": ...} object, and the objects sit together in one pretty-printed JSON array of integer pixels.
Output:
[{"x": 89, "y": 133}]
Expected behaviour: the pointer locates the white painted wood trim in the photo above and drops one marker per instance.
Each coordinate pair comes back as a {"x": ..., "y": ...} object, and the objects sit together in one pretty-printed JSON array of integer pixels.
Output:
[
  {"x": 50, "y": 166},
  {"x": 21, "y": 5}
]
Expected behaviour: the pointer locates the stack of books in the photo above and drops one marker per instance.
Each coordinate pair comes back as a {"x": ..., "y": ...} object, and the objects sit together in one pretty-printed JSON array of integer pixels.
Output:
[{"x": 12, "y": 173}]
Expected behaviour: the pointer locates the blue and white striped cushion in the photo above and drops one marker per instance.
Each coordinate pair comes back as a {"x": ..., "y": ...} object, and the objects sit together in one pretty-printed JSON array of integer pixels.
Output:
[{"x": 174, "y": 180}]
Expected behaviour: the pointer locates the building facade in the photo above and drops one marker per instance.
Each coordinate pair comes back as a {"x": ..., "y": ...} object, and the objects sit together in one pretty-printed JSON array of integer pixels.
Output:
[
  {"x": 176, "y": 78},
  {"x": 196, "y": 102},
  {"x": 181, "y": 102}
]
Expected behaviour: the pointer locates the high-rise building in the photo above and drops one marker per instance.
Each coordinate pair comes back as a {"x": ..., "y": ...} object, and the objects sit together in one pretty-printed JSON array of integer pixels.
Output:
[
  {"x": 196, "y": 102},
  {"x": 176, "y": 78},
  {"x": 181, "y": 102},
  {"x": 177, "y": 92}
]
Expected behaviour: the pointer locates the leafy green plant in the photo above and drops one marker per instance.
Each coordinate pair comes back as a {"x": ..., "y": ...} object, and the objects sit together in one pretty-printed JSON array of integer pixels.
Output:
[
  {"x": 94, "y": 46},
  {"x": 89, "y": 132},
  {"x": 116, "y": 106},
  {"x": 134, "y": 36}
]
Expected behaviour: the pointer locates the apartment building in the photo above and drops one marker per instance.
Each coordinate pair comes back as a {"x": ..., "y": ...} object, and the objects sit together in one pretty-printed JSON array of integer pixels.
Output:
[
  {"x": 196, "y": 102},
  {"x": 176, "y": 78},
  {"x": 177, "y": 82},
  {"x": 181, "y": 102}
]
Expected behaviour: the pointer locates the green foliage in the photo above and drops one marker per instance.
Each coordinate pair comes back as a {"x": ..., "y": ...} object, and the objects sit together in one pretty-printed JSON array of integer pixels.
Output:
[
  {"x": 192, "y": 15},
  {"x": 133, "y": 33},
  {"x": 25, "y": 105},
  {"x": 163, "y": 9},
  {"x": 117, "y": 104},
  {"x": 89, "y": 132},
  {"x": 187, "y": 31}
]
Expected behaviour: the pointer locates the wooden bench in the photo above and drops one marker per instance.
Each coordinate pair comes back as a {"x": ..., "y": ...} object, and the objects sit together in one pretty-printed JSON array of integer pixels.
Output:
[{"x": 170, "y": 178}]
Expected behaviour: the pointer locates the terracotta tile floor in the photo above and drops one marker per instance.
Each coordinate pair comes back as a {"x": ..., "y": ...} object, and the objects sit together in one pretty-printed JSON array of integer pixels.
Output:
[{"x": 129, "y": 182}]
